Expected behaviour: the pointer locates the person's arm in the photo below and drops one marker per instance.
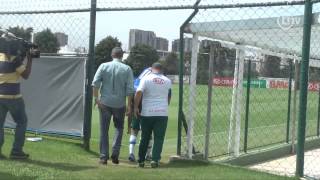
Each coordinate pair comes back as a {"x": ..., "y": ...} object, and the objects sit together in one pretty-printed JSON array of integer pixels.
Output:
[
  {"x": 137, "y": 100},
  {"x": 25, "y": 70},
  {"x": 96, "y": 83},
  {"x": 129, "y": 91},
  {"x": 138, "y": 97},
  {"x": 169, "y": 96},
  {"x": 129, "y": 105},
  {"x": 96, "y": 95}
]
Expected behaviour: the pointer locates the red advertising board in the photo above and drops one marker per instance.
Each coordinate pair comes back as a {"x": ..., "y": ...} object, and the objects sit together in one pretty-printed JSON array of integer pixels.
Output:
[
  {"x": 281, "y": 84},
  {"x": 223, "y": 81},
  {"x": 313, "y": 86},
  {"x": 278, "y": 84}
]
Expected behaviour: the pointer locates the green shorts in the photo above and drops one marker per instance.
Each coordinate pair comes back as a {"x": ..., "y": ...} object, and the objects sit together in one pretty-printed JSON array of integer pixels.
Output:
[{"x": 135, "y": 123}]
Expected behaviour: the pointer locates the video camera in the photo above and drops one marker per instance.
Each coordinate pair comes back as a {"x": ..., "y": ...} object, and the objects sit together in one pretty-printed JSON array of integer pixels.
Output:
[{"x": 15, "y": 46}]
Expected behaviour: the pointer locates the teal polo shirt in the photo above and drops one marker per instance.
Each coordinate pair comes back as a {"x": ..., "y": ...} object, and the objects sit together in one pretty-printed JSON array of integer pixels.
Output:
[{"x": 115, "y": 81}]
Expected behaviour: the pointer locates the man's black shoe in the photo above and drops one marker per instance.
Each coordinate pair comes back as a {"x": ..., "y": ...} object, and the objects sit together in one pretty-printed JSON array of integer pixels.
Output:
[
  {"x": 103, "y": 162},
  {"x": 115, "y": 160},
  {"x": 141, "y": 164},
  {"x": 19, "y": 155},
  {"x": 154, "y": 164}
]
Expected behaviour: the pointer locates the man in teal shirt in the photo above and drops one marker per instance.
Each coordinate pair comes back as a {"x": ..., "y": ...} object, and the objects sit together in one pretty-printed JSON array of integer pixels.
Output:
[{"x": 115, "y": 82}]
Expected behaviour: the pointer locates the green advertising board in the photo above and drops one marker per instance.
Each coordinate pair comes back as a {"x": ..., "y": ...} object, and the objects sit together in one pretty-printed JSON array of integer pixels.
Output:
[{"x": 256, "y": 83}]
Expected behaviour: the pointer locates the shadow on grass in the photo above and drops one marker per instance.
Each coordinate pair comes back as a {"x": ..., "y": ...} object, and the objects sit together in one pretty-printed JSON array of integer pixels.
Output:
[
  {"x": 88, "y": 151},
  {"x": 59, "y": 166},
  {"x": 185, "y": 164},
  {"x": 12, "y": 177}
]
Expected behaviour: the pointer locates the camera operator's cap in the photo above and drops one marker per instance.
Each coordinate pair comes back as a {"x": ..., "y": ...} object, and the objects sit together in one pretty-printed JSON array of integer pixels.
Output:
[
  {"x": 157, "y": 65},
  {"x": 117, "y": 50}
]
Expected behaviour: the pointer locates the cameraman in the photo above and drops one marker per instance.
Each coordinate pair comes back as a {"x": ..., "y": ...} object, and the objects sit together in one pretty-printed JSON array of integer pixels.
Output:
[{"x": 11, "y": 68}]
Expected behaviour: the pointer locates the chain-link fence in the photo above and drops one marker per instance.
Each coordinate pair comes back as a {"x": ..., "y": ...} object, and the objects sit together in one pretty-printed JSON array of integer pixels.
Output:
[{"x": 252, "y": 55}]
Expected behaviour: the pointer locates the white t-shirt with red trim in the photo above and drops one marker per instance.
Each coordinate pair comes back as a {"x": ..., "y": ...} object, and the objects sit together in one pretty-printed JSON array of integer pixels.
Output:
[{"x": 155, "y": 89}]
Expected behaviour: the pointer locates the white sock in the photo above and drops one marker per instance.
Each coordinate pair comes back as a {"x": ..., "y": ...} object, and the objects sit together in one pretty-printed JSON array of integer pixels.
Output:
[{"x": 132, "y": 141}]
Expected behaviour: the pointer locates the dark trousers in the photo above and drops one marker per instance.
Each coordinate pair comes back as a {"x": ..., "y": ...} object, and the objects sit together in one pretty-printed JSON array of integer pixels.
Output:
[
  {"x": 118, "y": 120},
  {"x": 16, "y": 108},
  {"x": 158, "y": 126}
]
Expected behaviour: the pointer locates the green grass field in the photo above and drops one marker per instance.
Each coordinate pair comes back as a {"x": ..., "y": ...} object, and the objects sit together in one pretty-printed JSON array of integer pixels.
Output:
[
  {"x": 267, "y": 117},
  {"x": 61, "y": 159}
]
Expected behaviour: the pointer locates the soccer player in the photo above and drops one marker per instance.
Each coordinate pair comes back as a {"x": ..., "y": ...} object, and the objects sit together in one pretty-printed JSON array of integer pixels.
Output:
[
  {"x": 135, "y": 123},
  {"x": 156, "y": 90}
]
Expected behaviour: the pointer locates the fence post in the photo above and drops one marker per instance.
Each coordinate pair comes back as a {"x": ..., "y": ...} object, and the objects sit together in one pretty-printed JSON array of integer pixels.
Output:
[
  {"x": 239, "y": 104},
  {"x": 289, "y": 101},
  {"x": 246, "y": 125},
  {"x": 294, "y": 104},
  {"x": 181, "y": 72},
  {"x": 318, "y": 121},
  {"x": 304, "y": 87},
  {"x": 210, "y": 84},
  {"x": 192, "y": 93},
  {"x": 233, "y": 103},
  {"x": 89, "y": 77}
]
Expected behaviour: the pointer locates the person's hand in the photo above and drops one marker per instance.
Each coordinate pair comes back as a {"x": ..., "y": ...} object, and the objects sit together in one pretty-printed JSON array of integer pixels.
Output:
[
  {"x": 97, "y": 102},
  {"x": 129, "y": 111},
  {"x": 129, "y": 124},
  {"x": 129, "y": 131},
  {"x": 136, "y": 112}
]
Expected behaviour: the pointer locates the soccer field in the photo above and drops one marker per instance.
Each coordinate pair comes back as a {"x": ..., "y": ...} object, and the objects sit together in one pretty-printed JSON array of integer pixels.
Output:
[{"x": 268, "y": 114}]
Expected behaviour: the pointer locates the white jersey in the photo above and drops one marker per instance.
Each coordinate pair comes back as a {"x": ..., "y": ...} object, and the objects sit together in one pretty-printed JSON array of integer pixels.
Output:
[{"x": 155, "y": 89}]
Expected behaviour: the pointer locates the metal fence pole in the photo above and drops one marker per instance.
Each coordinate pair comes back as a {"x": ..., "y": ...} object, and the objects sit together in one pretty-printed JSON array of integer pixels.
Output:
[
  {"x": 289, "y": 101},
  {"x": 89, "y": 77},
  {"x": 304, "y": 87},
  {"x": 181, "y": 72},
  {"x": 239, "y": 105},
  {"x": 233, "y": 103},
  {"x": 210, "y": 84},
  {"x": 318, "y": 121},
  {"x": 294, "y": 104},
  {"x": 246, "y": 125},
  {"x": 192, "y": 94}
]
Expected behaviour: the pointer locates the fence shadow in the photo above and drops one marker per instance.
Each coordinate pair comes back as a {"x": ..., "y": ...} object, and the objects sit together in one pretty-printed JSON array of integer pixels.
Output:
[
  {"x": 55, "y": 165},
  {"x": 185, "y": 164},
  {"x": 12, "y": 177}
]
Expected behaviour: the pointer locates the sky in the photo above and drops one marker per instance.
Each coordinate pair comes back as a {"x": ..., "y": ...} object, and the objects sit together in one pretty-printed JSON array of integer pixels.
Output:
[{"x": 164, "y": 23}]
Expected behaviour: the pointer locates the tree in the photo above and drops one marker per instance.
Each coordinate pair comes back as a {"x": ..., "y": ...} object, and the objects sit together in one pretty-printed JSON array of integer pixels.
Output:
[
  {"x": 271, "y": 67},
  {"x": 103, "y": 50},
  {"x": 24, "y": 33},
  {"x": 141, "y": 56},
  {"x": 171, "y": 64},
  {"x": 314, "y": 74},
  {"x": 223, "y": 63},
  {"x": 47, "y": 41}
]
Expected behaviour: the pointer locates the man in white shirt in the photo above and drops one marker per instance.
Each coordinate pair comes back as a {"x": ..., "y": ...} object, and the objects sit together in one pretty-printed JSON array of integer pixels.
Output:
[{"x": 156, "y": 90}]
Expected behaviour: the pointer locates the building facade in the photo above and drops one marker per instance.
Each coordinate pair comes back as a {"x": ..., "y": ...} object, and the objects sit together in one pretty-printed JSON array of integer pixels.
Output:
[
  {"x": 187, "y": 45},
  {"x": 161, "y": 44},
  {"x": 62, "y": 38},
  {"x": 137, "y": 36}
]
